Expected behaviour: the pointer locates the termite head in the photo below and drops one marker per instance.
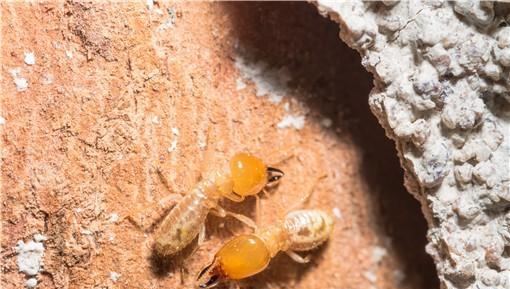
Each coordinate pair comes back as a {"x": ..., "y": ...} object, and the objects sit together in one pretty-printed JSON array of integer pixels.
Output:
[
  {"x": 250, "y": 175},
  {"x": 210, "y": 275},
  {"x": 239, "y": 258}
]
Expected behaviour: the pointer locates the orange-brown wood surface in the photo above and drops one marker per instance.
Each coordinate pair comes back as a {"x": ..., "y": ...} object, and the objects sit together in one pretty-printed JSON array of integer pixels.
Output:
[{"x": 120, "y": 90}]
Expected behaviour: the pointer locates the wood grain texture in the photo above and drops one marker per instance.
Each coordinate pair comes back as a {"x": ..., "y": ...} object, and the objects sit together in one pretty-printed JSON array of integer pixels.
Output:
[{"x": 118, "y": 91}]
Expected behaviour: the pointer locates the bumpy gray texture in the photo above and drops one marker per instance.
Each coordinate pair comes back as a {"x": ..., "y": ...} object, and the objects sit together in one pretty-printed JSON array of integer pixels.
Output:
[{"x": 442, "y": 93}]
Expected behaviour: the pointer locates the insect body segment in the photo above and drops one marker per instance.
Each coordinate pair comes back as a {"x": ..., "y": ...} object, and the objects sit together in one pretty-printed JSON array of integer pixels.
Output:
[
  {"x": 247, "y": 176},
  {"x": 307, "y": 229},
  {"x": 247, "y": 255},
  {"x": 184, "y": 222}
]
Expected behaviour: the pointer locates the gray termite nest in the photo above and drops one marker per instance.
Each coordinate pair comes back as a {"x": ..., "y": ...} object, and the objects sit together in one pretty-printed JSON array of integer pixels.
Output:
[{"x": 442, "y": 93}]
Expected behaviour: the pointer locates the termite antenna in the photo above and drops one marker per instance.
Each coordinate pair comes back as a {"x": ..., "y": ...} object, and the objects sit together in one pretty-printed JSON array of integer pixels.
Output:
[{"x": 304, "y": 199}]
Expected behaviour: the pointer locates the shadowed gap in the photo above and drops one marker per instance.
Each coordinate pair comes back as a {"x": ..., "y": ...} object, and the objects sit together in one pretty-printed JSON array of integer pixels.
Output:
[{"x": 294, "y": 35}]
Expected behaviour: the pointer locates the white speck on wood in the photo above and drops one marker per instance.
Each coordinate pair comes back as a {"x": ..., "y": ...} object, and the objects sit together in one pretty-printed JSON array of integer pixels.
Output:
[
  {"x": 40, "y": 238},
  {"x": 86, "y": 232},
  {"x": 326, "y": 122},
  {"x": 167, "y": 24},
  {"x": 31, "y": 283},
  {"x": 268, "y": 81},
  {"x": 114, "y": 276},
  {"x": 149, "y": 4},
  {"x": 30, "y": 256},
  {"x": 155, "y": 119},
  {"x": 240, "y": 85},
  {"x": 29, "y": 58},
  {"x": 295, "y": 121},
  {"x": 398, "y": 276},
  {"x": 378, "y": 253},
  {"x": 15, "y": 72},
  {"x": 337, "y": 213},
  {"x": 175, "y": 131},
  {"x": 47, "y": 79},
  {"x": 20, "y": 82},
  {"x": 114, "y": 218},
  {"x": 173, "y": 146},
  {"x": 202, "y": 141},
  {"x": 370, "y": 276},
  {"x": 2, "y": 120},
  {"x": 286, "y": 107}
]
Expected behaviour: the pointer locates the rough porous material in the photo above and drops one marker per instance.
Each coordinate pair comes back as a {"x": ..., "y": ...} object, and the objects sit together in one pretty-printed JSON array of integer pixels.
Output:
[{"x": 442, "y": 92}]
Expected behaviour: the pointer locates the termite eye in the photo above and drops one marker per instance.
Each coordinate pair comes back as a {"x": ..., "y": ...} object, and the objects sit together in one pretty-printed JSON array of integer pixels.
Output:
[{"x": 273, "y": 176}]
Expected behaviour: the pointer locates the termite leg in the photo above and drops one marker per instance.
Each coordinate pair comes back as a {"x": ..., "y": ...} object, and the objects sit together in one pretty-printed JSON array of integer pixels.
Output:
[
  {"x": 201, "y": 235},
  {"x": 234, "y": 197},
  {"x": 181, "y": 270},
  {"x": 297, "y": 258},
  {"x": 200, "y": 239},
  {"x": 149, "y": 219},
  {"x": 304, "y": 199},
  {"x": 220, "y": 212},
  {"x": 165, "y": 181},
  {"x": 279, "y": 160},
  {"x": 257, "y": 209}
]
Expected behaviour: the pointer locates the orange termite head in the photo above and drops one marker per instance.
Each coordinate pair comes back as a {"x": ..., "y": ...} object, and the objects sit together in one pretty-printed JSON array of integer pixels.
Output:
[
  {"x": 239, "y": 258},
  {"x": 250, "y": 175},
  {"x": 210, "y": 275}
]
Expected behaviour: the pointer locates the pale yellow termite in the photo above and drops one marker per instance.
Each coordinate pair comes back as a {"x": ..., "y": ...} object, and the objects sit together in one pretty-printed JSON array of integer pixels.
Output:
[
  {"x": 247, "y": 255},
  {"x": 247, "y": 176}
]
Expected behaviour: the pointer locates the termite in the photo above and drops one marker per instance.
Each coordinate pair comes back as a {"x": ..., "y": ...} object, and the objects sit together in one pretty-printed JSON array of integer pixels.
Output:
[
  {"x": 247, "y": 176},
  {"x": 247, "y": 255}
]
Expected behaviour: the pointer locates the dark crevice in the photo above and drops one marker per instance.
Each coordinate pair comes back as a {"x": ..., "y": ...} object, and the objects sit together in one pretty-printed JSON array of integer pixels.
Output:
[{"x": 295, "y": 36}]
